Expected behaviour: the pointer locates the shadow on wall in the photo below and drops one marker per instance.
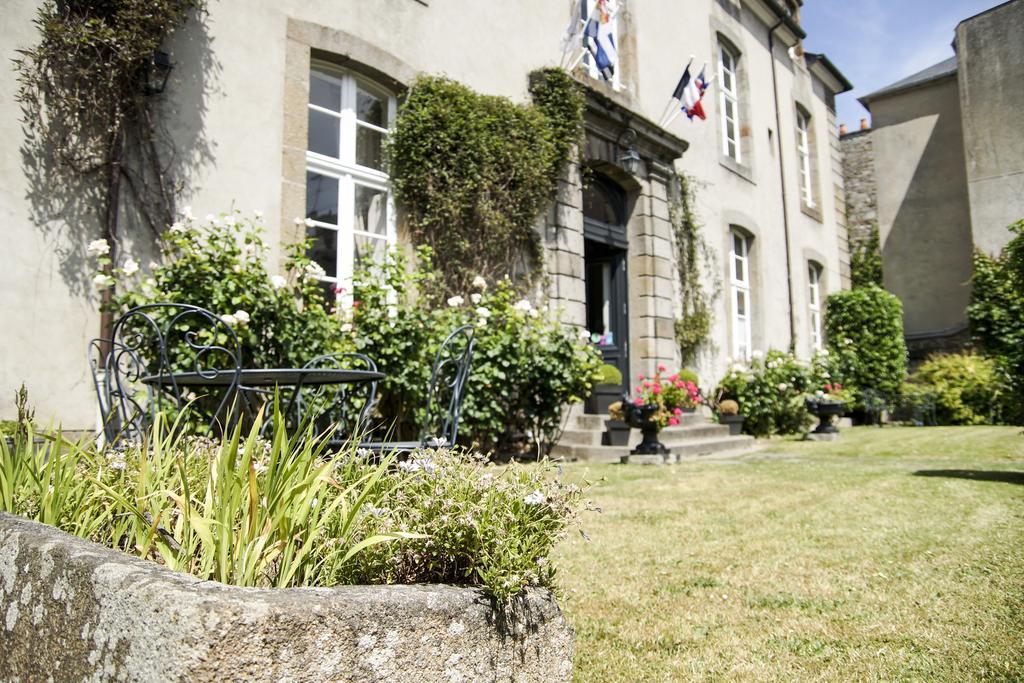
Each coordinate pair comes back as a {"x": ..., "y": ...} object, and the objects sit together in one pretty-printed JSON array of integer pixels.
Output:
[
  {"x": 69, "y": 207},
  {"x": 927, "y": 251},
  {"x": 1004, "y": 476}
]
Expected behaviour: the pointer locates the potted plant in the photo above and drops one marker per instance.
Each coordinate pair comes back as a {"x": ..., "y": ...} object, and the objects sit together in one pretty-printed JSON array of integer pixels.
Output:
[
  {"x": 660, "y": 402},
  {"x": 606, "y": 392},
  {"x": 729, "y": 414},
  {"x": 616, "y": 428},
  {"x": 826, "y": 404}
]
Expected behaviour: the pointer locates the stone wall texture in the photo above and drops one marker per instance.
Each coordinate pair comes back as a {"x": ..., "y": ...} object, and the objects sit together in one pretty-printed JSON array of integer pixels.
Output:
[
  {"x": 859, "y": 178},
  {"x": 71, "y": 610}
]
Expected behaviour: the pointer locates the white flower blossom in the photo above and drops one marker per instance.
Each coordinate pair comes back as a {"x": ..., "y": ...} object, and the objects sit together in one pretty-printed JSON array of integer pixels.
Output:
[
  {"x": 584, "y": 334},
  {"x": 757, "y": 354},
  {"x": 242, "y": 317},
  {"x": 523, "y": 305},
  {"x": 131, "y": 266},
  {"x": 535, "y": 498},
  {"x": 456, "y": 301},
  {"x": 260, "y": 467},
  {"x": 392, "y": 311},
  {"x": 229, "y": 319},
  {"x": 98, "y": 248},
  {"x": 102, "y": 281},
  {"x": 483, "y": 312},
  {"x": 278, "y": 281},
  {"x": 479, "y": 282},
  {"x": 409, "y": 466},
  {"x": 475, "y": 298},
  {"x": 346, "y": 327},
  {"x": 177, "y": 227},
  {"x": 258, "y": 214},
  {"x": 783, "y": 386}
]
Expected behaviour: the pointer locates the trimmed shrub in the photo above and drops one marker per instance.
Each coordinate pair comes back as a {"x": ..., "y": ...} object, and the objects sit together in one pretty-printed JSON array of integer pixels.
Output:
[
  {"x": 967, "y": 388},
  {"x": 996, "y": 315},
  {"x": 865, "y": 334}
]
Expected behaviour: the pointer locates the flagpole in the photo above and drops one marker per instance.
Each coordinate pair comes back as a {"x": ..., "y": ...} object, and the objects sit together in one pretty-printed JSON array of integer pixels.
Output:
[{"x": 673, "y": 103}]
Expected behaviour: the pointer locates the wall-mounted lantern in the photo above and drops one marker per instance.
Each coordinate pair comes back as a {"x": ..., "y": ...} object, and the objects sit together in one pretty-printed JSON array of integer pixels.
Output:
[
  {"x": 158, "y": 70},
  {"x": 629, "y": 158}
]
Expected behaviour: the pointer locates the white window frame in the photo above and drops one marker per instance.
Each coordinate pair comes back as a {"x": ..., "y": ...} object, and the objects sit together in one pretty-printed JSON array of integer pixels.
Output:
[
  {"x": 739, "y": 287},
  {"x": 803, "y": 147},
  {"x": 588, "y": 59},
  {"x": 348, "y": 173},
  {"x": 729, "y": 72},
  {"x": 814, "y": 272}
]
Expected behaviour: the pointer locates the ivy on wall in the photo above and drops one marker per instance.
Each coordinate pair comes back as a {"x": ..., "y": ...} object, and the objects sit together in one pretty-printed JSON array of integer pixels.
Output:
[
  {"x": 866, "y": 260},
  {"x": 84, "y": 106},
  {"x": 695, "y": 265},
  {"x": 474, "y": 171}
]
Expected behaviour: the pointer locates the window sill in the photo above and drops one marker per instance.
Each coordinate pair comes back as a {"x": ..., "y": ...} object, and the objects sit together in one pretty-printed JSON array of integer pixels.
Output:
[
  {"x": 812, "y": 211},
  {"x": 739, "y": 169}
]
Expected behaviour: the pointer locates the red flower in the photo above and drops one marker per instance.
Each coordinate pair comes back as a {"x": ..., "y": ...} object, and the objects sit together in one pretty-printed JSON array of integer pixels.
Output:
[
  {"x": 656, "y": 389},
  {"x": 638, "y": 401},
  {"x": 662, "y": 368},
  {"x": 673, "y": 421},
  {"x": 673, "y": 378},
  {"x": 839, "y": 387}
]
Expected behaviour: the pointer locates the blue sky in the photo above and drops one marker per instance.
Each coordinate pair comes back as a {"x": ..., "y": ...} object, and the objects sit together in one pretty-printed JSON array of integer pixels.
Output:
[{"x": 877, "y": 42}]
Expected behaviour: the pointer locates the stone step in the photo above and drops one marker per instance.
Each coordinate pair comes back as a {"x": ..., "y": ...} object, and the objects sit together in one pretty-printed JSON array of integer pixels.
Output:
[
  {"x": 669, "y": 436},
  {"x": 596, "y": 422},
  {"x": 687, "y": 450}
]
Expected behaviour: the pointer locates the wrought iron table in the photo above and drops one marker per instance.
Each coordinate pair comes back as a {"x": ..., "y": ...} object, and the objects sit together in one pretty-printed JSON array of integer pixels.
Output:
[{"x": 265, "y": 381}]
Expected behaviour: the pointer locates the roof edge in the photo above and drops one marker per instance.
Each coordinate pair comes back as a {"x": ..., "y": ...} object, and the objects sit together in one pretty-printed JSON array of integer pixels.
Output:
[{"x": 820, "y": 58}]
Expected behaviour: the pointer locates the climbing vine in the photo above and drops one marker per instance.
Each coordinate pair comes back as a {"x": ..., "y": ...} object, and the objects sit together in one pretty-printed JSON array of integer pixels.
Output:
[
  {"x": 866, "y": 260},
  {"x": 474, "y": 171},
  {"x": 695, "y": 265},
  {"x": 88, "y": 121}
]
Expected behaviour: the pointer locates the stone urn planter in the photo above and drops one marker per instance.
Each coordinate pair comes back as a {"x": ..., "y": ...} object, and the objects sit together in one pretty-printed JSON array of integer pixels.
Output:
[
  {"x": 734, "y": 422},
  {"x": 72, "y": 610},
  {"x": 825, "y": 410},
  {"x": 641, "y": 417}
]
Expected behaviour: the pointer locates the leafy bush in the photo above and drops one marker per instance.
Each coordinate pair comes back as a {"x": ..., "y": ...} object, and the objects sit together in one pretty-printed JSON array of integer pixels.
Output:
[
  {"x": 610, "y": 374},
  {"x": 220, "y": 265},
  {"x": 996, "y": 315},
  {"x": 287, "y": 512},
  {"x": 473, "y": 171},
  {"x": 866, "y": 260},
  {"x": 967, "y": 388},
  {"x": 865, "y": 334},
  {"x": 772, "y": 390},
  {"x": 526, "y": 365}
]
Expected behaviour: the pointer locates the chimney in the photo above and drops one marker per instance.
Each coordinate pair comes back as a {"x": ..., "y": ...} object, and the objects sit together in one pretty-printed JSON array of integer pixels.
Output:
[
  {"x": 842, "y": 129},
  {"x": 864, "y": 124}
]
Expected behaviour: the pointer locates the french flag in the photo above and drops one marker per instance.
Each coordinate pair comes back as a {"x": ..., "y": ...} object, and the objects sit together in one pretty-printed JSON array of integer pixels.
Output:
[
  {"x": 692, "y": 94},
  {"x": 599, "y": 40}
]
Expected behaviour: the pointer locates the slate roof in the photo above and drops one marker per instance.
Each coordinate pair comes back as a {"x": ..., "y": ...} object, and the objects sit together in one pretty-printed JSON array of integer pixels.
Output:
[{"x": 932, "y": 73}]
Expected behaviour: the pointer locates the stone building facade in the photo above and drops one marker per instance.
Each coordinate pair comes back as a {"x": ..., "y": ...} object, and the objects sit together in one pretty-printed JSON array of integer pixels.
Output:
[
  {"x": 941, "y": 171},
  {"x": 246, "y": 105}
]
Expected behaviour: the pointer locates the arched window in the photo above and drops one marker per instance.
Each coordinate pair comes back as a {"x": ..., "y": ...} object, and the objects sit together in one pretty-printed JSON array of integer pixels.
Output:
[
  {"x": 729, "y": 101},
  {"x": 814, "y": 271},
  {"x": 739, "y": 290},
  {"x": 349, "y": 215}
]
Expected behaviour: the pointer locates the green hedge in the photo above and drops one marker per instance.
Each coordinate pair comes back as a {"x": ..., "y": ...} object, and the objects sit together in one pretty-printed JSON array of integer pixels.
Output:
[
  {"x": 967, "y": 388},
  {"x": 865, "y": 333}
]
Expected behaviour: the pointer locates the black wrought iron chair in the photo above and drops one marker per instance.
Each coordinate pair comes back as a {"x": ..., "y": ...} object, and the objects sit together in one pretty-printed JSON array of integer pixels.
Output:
[
  {"x": 134, "y": 371},
  {"x": 343, "y": 409},
  {"x": 445, "y": 393}
]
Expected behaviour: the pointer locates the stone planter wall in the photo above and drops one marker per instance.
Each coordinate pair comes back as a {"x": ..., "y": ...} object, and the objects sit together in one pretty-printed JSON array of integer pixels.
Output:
[{"x": 72, "y": 610}]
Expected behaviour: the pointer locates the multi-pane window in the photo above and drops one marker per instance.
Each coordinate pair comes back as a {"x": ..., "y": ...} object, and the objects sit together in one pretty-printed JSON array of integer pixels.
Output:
[
  {"x": 729, "y": 102},
  {"x": 348, "y": 205},
  {"x": 814, "y": 303},
  {"x": 739, "y": 291},
  {"x": 803, "y": 147}
]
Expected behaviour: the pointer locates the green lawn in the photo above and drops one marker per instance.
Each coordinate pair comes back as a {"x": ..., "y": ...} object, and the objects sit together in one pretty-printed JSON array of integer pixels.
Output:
[{"x": 892, "y": 554}]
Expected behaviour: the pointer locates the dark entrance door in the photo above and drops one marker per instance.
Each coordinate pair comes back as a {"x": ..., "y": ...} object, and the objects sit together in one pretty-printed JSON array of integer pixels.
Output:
[{"x": 605, "y": 252}]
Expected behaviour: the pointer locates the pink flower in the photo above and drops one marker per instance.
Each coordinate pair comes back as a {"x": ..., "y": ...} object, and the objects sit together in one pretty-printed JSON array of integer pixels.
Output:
[
  {"x": 662, "y": 368},
  {"x": 678, "y": 411},
  {"x": 656, "y": 389},
  {"x": 638, "y": 401},
  {"x": 673, "y": 421},
  {"x": 647, "y": 385},
  {"x": 679, "y": 384},
  {"x": 828, "y": 387},
  {"x": 641, "y": 377},
  {"x": 673, "y": 378},
  {"x": 838, "y": 387},
  {"x": 690, "y": 386},
  {"x": 638, "y": 390}
]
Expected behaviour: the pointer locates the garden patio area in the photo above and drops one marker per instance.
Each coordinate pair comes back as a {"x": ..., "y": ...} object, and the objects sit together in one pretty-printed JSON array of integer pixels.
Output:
[{"x": 891, "y": 554}]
